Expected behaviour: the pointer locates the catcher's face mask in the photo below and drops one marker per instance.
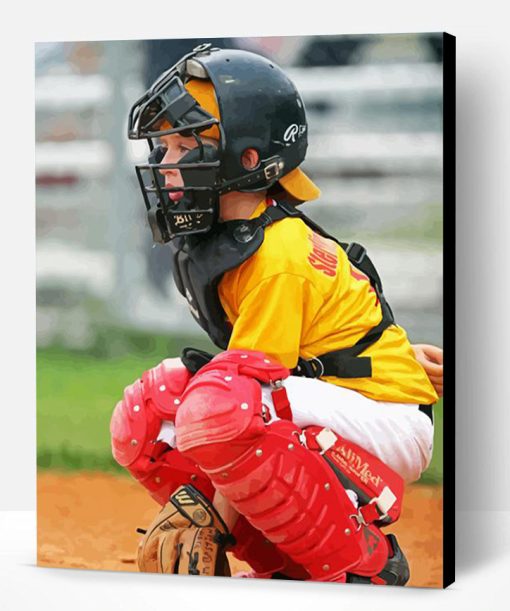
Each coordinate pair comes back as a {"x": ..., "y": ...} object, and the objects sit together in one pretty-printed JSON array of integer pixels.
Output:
[{"x": 168, "y": 108}]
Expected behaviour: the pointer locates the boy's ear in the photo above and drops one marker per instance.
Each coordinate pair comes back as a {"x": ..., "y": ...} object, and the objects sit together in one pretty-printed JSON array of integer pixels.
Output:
[{"x": 250, "y": 159}]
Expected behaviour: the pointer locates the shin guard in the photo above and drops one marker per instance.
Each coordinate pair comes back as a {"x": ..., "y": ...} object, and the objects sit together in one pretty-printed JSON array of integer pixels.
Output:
[{"x": 283, "y": 488}]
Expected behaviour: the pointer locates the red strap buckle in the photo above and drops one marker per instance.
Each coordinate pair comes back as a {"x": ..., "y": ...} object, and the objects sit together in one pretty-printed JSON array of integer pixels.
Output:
[
  {"x": 156, "y": 449},
  {"x": 281, "y": 400},
  {"x": 370, "y": 513}
]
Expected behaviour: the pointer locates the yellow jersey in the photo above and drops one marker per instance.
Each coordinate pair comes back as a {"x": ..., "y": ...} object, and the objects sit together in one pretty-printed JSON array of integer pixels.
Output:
[{"x": 299, "y": 296}]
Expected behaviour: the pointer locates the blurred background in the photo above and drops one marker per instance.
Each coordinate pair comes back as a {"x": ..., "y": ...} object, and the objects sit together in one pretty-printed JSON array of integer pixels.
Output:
[{"x": 106, "y": 305}]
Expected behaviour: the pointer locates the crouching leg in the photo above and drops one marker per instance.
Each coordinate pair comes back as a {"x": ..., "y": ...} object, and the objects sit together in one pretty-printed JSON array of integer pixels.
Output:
[
  {"x": 142, "y": 428},
  {"x": 324, "y": 513}
]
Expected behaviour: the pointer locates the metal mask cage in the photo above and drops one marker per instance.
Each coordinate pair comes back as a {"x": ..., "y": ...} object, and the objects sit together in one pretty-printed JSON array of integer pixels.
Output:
[
  {"x": 168, "y": 108},
  {"x": 197, "y": 210},
  {"x": 155, "y": 184},
  {"x": 168, "y": 100}
]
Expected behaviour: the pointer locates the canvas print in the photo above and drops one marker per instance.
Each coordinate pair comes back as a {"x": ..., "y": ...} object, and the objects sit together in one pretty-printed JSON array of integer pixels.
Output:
[{"x": 240, "y": 307}]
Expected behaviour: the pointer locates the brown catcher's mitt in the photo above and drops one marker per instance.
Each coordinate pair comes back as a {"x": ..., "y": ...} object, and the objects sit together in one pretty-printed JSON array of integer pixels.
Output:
[{"x": 187, "y": 537}]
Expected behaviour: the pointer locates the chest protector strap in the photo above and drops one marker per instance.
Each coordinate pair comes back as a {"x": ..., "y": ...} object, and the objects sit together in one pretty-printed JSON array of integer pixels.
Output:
[{"x": 344, "y": 363}]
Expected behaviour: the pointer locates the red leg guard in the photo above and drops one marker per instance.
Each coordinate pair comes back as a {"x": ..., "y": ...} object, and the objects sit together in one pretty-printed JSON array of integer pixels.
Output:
[
  {"x": 283, "y": 489},
  {"x": 135, "y": 425},
  {"x": 262, "y": 555}
]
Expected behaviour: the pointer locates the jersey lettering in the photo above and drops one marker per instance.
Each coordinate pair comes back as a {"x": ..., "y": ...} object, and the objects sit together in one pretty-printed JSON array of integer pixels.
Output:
[
  {"x": 357, "y": 275},
  {"x": 323, "y": 256}
]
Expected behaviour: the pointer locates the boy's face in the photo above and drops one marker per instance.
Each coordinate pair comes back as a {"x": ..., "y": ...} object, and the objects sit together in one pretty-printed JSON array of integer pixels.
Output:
[{"x": 177, "y": 146}]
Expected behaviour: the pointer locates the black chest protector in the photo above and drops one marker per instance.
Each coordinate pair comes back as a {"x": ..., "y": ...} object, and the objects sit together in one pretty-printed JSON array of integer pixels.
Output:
[{"x": 199, "y": 263}]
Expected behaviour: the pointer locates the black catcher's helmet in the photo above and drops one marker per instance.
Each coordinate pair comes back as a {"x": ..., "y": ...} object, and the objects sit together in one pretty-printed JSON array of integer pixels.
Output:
[{"x": 253, "y": 104}]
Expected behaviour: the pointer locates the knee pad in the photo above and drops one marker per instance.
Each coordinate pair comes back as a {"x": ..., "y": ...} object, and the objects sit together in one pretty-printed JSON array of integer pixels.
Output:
[
  {"x": 135, "y": 426},
  {"x": 221, "y": 413}
]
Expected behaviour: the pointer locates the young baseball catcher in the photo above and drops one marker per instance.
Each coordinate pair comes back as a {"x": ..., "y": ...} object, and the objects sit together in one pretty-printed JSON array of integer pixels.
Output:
[{"x": 290, "y": 447}]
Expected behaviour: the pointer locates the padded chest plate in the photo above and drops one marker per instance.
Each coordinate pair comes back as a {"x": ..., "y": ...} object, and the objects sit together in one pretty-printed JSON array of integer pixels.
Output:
[{"x": 199, "y": 264}]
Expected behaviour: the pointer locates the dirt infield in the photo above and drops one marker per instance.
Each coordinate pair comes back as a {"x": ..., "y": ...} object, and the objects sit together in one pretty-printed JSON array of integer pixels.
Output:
[{"x": 89, "y": 521}]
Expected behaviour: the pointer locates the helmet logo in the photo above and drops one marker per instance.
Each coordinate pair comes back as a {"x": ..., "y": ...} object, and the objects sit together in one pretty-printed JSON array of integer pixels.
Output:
[{"x": 294, "y": 131}]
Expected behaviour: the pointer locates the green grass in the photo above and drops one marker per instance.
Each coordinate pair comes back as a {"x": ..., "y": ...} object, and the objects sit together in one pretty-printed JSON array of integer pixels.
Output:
[{"x": 76, "y": 394}]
